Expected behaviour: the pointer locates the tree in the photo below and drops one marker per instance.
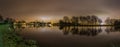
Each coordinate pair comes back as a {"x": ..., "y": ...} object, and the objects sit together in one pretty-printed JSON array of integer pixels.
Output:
[
  {"x": 117, "y": 23},
  {"x": 99, "y": 21},
  {"x": 61, "y": 22},
  {"x": 75, "y": 20},
  {"x": 88, "y": 19},
  {"x": 94, "y": 19},
  {"x": 1, "y": 18},
  {"x": 66, "y": 19},
  {"x": 9, "y": 20},
  {"x": 81, "y": 19},
  {"x": 22, "y": 21},
  {"x": 84, "y": 19},
  {"x": 108, "y": 21}
]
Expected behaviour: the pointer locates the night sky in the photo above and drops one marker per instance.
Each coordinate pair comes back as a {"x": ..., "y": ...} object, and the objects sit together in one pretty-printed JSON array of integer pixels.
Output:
[{"x": 55, "y": 9}]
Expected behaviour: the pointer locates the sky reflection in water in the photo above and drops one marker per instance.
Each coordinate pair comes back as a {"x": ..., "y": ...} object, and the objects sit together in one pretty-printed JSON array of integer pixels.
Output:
[{"x": 72, "y": 36}]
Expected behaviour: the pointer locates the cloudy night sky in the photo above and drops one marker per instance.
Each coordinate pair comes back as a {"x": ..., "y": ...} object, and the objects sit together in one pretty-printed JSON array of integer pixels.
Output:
[{"x": 55, "y": 9}]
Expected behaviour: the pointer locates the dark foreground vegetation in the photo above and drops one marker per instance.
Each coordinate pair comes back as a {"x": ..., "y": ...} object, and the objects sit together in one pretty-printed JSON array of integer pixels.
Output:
[{"x": 9, "y": 37}]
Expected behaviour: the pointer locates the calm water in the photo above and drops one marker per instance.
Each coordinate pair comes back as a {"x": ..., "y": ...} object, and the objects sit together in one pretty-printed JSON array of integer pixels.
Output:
[{"x": 72, "y": 36}]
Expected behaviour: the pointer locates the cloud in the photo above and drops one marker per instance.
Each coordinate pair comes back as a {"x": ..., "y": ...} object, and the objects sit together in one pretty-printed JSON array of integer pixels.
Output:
[{"x": 57, "y": 7}]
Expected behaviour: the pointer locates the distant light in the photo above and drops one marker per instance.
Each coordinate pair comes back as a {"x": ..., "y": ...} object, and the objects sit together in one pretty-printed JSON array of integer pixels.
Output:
[
  {"x": 45, "y": 18},
  {"x": 102, "y": 23},
  {"x": 103, "y": 17}
]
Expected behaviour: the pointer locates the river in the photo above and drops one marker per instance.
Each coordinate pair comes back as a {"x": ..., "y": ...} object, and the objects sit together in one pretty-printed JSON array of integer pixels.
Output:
[{"x": 56, "y": 36}]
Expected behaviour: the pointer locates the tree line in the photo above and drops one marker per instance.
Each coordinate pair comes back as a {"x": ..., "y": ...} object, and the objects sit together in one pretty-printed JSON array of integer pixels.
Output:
[
  {"x": 6, "y": 20},
  {"x": 80, "y": 20},
  {"x": 67, "y": 21}
]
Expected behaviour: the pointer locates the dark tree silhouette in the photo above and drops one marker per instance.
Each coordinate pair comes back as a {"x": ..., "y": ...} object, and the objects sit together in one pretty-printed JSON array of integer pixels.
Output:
[
  {"x": 9, "y": 20},
  {"x": 117, "y": 23},
  {"x": 75, "y": 20},
  {"x": 89, "y": 20},
  {"x": 61, "y": 22},
  {"x": 66, "y": 19},
  {"x": 81, "y": 20},
  {"x": 94, "y": 19},
  {"x": 1, "y": 18},
  {"x": 99, "y": 21},
  {"x": 22, "y": 21}
]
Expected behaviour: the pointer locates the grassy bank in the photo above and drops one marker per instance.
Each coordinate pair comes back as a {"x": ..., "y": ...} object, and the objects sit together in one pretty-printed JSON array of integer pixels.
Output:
[{"x": 10, "y": 38}]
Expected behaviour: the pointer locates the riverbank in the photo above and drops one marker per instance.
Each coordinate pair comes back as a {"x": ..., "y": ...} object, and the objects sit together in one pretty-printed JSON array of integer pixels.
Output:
[{"x": 10, "y": 38}]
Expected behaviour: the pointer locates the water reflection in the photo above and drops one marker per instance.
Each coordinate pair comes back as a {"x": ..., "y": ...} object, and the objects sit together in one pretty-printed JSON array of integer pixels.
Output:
[
  {"x": 75, "y": 30},
  {"x": 71, "y": 36},
  {"x": 87, "y": 31},
  {"x": 112, "y": 29}
]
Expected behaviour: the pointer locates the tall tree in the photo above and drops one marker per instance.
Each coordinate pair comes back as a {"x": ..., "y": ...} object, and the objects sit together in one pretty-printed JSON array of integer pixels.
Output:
[
  {"x": 99, "y": 21},
  {"x": 84, "y": 19},
  {"x": 61, "y": 22},
  {"x": 94, "y": 19},
  {"x": 66, "y": 19},
  {"x": 81, "y": 19},
  {"x": 75, "y": 20},
  {"x": 1, "y": 18}
]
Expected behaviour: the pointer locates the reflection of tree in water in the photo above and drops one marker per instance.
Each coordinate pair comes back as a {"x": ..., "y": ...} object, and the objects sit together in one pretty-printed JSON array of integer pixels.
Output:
[
  {"x": 19, "y": 26},
  {"x": 81, "y": 31},
  {"x": 112, "y": 29}
]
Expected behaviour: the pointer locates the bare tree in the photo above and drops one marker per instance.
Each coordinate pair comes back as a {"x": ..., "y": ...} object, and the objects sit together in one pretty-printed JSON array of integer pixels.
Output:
[
  {"x": 66, "y": 19},
  {"x": 75, "y": 20}
]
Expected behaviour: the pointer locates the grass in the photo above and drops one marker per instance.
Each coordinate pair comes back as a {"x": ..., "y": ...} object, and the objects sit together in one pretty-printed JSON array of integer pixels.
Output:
[
  {"x": 2, "y": 29},
  {"x": 10, "y": 38}
]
